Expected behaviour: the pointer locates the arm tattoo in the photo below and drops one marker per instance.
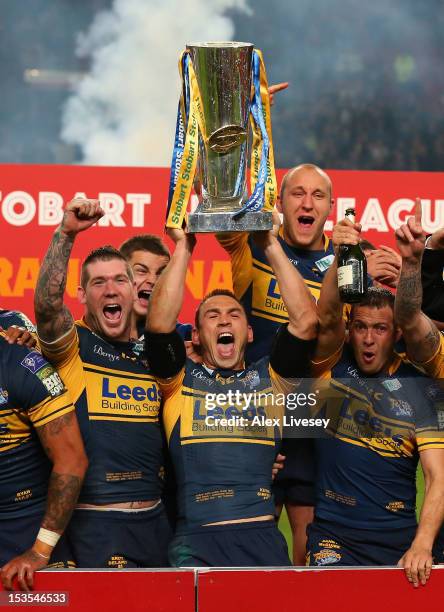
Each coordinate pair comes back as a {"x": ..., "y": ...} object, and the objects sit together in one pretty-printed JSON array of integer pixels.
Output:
[
  {"x": 408, "y": 296},
  {"x": 63, "y": 491},
  {"x": 53, "y": 428},
  {"x": 53, "y": 317},
  {"x": 432, "y": 339}
]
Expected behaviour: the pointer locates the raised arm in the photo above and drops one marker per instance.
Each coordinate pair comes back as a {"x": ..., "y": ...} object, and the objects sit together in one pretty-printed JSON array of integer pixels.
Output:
[
  {"x": 331, "y": 332},
  {"x": 167, "y": 297},
  {"x": 298, "y": 300},
  {"x": 420, "y": 333},
  {"x": 52, "y": 316},
  {"x": 417, "y": 561}
]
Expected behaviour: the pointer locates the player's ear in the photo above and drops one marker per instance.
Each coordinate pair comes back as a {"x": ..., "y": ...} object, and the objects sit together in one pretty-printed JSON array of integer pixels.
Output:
[
  {"x": 195, "y": 336},
  {"x": 398, "y": 333},
  {"x": 81, "y": 295},
  {"x": 250, "y": 334}
]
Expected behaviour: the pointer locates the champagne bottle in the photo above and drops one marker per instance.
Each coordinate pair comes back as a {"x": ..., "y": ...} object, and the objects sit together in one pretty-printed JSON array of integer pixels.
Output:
[{"x": 352, "y": 269}]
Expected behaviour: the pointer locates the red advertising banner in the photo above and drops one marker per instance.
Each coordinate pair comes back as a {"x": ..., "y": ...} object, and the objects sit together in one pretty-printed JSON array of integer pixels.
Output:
[
  {"x": 308, "y": 590},
  {"x": 219, "y": 590},
  {"x": 32, "y": 199},
  {"x": 111, "y": 591}
]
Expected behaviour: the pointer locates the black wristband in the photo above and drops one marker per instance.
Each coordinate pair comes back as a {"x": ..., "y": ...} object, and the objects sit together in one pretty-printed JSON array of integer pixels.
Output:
[
  {"x": 290, "y": 356},
  {"x": 165, "y": 353}
]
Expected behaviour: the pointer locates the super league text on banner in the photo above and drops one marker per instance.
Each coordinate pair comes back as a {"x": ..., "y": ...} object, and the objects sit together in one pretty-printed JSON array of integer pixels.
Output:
[{"x": 32, "y": 200}]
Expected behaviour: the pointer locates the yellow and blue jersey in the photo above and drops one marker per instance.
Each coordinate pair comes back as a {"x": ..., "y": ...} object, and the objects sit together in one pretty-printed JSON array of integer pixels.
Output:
[
  {"x": 254, "y": 283},
  {"x": 31, "y": 395},
  {"x": 117, "y": 404},
  {"x": 378, "y": 426},
  {"x": 434, "y": 367},
  {"x": 223, "y": 470},
  {"x": 15, "y": 317}
]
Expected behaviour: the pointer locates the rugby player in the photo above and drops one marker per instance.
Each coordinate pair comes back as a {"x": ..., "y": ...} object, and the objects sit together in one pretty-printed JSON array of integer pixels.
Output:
[
  {"x": 305, "y": 202},
  {"x": 224, "y": 472},
  {"x": 382, "y": 420},
  {"x": 119, "y": 521},
  {"x": 42, "y": 463},
  {"x": 424, "y": 342},
  {"x": 148, "y": 256}
]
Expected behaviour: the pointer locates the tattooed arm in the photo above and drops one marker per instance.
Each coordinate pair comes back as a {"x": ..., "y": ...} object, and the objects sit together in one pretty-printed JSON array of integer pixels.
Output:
[
  {"x": 52, "y": 316},
  {"x": 420, "y": 333},
  {"x": 63, "y": 444}
]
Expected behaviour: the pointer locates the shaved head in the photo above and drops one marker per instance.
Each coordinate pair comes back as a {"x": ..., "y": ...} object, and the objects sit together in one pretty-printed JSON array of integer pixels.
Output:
[{"x": 288, "y": 175}]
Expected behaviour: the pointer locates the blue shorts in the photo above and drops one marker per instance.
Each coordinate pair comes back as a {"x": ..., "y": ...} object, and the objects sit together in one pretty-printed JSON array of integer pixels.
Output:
[
  {"x": 255, "y": 544},
  {"x": 294, "y": 484},
  {"x": 295, "y": 492},
  {"x": 19, "y": 534},
  {"x": 119, "y": 539},
  {"x": 332, "y": 544}
]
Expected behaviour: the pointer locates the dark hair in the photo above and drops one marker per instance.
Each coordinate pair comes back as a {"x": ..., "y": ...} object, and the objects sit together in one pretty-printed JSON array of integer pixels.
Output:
[
  {"x": 144, "y": 242},
  {"x": 377, "y": 297},
  {"x": 215, "y": 293},
  {"x": 103, "y": 253}
]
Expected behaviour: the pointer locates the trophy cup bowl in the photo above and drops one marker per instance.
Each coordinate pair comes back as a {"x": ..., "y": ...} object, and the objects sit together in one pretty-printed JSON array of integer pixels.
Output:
[{"x": 223, "y": 72}]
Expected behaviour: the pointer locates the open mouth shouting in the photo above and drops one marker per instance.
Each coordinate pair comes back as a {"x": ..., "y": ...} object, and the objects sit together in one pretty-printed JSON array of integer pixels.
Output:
[
  {"x": 225, "y": 345},
  {"x": 368, "y": 357},
  {"x": 112, "y": 313},
  {"x": 305, "y": 223},
  {"x": 144, "y": 296}
]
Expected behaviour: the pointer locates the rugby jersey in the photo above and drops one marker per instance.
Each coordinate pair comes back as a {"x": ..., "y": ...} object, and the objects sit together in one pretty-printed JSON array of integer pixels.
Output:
[
  {"x": 223, "y": 471},
  {"x": 31, "y": 395},
  {"x": 117, "y": 404},
  {"x": 254, "y": 283},
  {"x": 378, "y": 425},
  {"x": 15, "y": 317}
]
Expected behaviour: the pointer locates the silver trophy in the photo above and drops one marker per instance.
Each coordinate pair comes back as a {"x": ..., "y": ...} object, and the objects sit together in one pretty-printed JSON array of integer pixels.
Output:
[{"x": 223, "y": 72}]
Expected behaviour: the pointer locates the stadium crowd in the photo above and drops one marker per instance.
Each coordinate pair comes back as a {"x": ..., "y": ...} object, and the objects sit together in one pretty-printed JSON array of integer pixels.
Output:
[{"x": 129, "y": 439}]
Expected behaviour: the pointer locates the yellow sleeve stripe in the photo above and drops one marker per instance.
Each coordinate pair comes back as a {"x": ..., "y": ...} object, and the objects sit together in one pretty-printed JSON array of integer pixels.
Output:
[
  {"x": 263, "y": 267},
  {"x": 47, "y": 418},
  {"x": 426, "y": 443},
  {"x": 170, "y": 386},
  {"x": 62, "y": 348}
]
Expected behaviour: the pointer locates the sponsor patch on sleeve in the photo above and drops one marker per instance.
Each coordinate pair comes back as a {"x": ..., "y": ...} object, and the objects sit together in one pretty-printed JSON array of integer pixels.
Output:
[
  {"x": 36, "y": 364},
  {"x": 33, "y": 362}
]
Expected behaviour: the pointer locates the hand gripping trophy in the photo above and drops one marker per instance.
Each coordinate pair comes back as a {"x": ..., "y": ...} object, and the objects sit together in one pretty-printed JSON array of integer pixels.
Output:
[{"x": 224, "y": 90}]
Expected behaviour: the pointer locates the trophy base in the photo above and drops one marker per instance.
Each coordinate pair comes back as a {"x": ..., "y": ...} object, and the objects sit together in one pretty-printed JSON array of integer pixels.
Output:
[{"x": 218, "y": 222}]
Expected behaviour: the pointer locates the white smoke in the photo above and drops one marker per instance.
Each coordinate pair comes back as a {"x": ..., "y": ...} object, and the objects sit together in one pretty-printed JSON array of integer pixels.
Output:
[{"x": 124, "y": 111}]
